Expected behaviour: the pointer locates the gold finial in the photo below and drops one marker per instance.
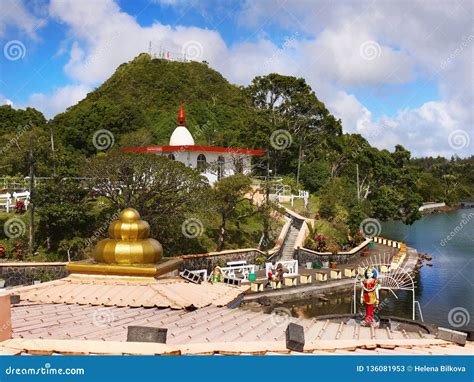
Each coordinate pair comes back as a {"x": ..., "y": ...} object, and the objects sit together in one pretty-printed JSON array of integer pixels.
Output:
[{"x": 128, "y": 243}]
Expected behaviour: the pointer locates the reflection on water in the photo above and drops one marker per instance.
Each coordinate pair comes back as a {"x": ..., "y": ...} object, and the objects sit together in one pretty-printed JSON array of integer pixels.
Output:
[
  {"x": 443, "y": 289},
  {"x": 399, "y": 306}
]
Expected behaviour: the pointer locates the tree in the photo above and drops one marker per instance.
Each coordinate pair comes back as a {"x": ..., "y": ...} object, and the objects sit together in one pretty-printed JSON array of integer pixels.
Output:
[
  {"x": 164, "y": 191},
  {"x": 401, "y": 156},
  {"x": 64, "y": 213},
  {"x": 356, "y": 215},
  {"x": 289, "y": 103},
  {"x": 228, "y": 195}
]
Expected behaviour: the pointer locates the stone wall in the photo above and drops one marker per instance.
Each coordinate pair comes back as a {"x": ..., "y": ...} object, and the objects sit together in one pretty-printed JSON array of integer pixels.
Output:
[
  {"x": 210, "y": 260},
  {"x": 25, "y": 274},
  {"x": 304, "y": 256}
]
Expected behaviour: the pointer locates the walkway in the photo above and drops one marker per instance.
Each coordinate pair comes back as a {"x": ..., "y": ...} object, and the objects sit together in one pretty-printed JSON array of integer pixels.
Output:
[{"x": 319, "y": 287}]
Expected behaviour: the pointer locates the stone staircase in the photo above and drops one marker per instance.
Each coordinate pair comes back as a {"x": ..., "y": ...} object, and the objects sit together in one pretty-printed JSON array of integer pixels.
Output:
[{"x": 288, "y": 248}]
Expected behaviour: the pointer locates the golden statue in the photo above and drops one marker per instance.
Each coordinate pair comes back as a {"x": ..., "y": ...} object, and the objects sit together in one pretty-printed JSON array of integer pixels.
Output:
[
  {"x": 129, "y": 243},
  {"x": 128, "y": 251}
]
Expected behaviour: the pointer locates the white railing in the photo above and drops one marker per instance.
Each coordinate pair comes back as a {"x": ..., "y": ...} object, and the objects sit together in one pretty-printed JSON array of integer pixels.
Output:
[
  {"x": 6, "y": 201},
  {"x": 291, "y": 265},
  {"x": 23, "y": 196},
  {"x": 301, "y": 195},
  {"x": 202, "y": 273},
  {"x": 417, "y": 303},
  {"x": 245, "y": 270}
]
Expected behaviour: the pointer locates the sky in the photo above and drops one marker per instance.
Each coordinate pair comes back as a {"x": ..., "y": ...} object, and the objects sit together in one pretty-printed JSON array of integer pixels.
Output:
[{"x": 397, "y": 72}]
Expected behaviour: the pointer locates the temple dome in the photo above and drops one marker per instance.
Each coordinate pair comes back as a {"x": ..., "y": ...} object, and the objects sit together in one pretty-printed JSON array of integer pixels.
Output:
[{"x": 181, "y": 137}]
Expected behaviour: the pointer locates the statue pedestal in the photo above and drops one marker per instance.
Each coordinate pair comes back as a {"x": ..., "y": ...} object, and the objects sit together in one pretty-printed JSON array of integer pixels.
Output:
[{"x": 141, "y": 270}]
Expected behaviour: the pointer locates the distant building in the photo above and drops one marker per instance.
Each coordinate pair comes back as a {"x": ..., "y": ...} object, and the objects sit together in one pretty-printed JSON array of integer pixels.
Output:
[{"x": 213, "y": 161}]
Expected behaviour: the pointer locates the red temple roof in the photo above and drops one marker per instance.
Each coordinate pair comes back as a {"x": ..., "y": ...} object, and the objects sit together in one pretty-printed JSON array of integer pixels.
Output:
[{"x": 215, "y": 149}]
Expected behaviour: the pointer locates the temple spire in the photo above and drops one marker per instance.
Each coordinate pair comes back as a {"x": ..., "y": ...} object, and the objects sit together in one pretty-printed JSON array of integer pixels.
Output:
[{"x": 181, "y": 116}]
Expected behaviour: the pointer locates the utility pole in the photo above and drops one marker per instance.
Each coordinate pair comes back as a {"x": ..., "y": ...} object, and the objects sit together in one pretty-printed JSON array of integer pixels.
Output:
[
  {"x": 266, "y": 223},
  {"x": 300, "y": 153},
  {"x": 52, "y": 148},
  {"x": 32, "y": 199},
  {"x": 358, "y": 185}
]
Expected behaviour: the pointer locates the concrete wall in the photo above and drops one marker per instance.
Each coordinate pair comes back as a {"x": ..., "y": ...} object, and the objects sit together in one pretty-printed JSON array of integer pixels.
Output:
[
  {"x": 189, "y": 158},
  {"x": 428, "y": 206},
  {"x": 25, "y": 273}
]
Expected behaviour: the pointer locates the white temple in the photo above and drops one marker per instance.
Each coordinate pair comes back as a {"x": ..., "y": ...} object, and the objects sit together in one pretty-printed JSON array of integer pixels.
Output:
[{"x": 214, "y": 162}]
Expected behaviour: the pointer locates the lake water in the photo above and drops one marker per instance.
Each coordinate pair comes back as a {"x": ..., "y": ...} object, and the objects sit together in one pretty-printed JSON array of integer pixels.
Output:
[{"x": 445, "y": 290}]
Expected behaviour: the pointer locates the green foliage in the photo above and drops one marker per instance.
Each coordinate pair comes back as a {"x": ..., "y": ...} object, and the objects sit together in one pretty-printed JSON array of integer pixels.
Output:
[
  {"x": 315, "y": 175},
  {"x": 356, "y": 215},
  {"x": 139, "y": 103},
  {"x": 230, "y": 202},
  {"x": 144, "y": 95},
  {"x": 64, "y": 214},
  {"x": 165, "y": 192}
]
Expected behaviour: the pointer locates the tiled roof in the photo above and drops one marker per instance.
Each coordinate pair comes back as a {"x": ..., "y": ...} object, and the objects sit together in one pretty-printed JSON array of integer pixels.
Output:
[
  {"x": 71, "y": 347},
  {"x": 172, "y": 293},
  {"x": 210, "y": 324},
  {"x": 90, "y": 315}
]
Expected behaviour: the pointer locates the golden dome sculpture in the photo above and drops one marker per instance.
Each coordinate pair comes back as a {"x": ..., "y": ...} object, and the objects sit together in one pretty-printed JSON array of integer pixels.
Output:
[
  {"x": 129, "y": 251},
  {"x": 128, "y": 243}
]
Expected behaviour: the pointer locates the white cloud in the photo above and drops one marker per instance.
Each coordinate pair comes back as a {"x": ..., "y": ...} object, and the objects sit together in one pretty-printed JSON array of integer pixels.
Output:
[
  {"x": 15, "y": 15},
  {"x": 105, "y": 37},
  {"x": 5, "y": 101},
  {"x": 59, "y": 100},
  {"x": 428, "y": 41},
  {"x": 331, "y": 56}
]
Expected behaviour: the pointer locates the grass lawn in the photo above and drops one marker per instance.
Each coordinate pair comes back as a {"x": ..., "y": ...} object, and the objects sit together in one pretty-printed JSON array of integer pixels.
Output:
[
  {"x": 246, "y": 235},
  {"x": 298, "y": 206},
  {"x": 323, "y": 227}
]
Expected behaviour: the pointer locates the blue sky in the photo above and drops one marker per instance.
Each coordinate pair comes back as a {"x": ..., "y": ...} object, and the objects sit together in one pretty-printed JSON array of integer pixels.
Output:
[{"x": 397, "y": 72}]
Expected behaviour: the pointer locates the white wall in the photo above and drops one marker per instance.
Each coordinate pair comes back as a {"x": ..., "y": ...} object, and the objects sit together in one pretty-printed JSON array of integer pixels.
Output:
[{"x": 189, "y": 158}]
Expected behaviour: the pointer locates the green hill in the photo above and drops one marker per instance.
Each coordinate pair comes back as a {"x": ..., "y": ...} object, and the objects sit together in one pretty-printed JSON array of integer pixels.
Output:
[{"x": 139, "y": 105}]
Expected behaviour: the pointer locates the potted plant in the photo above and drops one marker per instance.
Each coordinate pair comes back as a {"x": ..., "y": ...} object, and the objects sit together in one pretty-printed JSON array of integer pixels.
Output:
[
  {"x": 2, "y": 283},
  {"x": 259, "y": 262}
]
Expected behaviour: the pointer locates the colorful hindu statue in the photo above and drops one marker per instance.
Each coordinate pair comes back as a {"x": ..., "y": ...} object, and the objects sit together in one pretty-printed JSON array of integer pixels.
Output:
[
  {"x": 217, "y": 276},
  {"x": 370, "y": 295}
]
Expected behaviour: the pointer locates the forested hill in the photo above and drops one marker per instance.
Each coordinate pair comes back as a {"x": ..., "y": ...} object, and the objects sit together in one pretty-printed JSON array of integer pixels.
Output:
[
  {"x": 139, "y": 105},
  {"x": 280, "y": 114}
]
